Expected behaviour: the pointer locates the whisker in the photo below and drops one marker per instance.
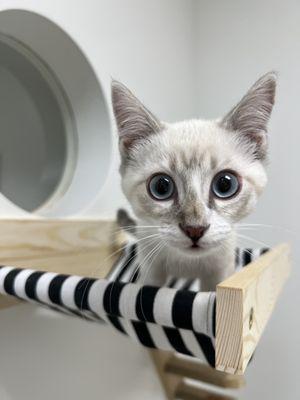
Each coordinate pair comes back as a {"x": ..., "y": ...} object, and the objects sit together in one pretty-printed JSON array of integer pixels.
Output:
[
  {"x": 148, "y": 255},
  {"x": 142, "y": 249},
  {"x": 131, "y": 258},
  {"x": 253, "y": 240},
  {"x": 92, "y": 275},
  {"x": 256, "y": 226}
]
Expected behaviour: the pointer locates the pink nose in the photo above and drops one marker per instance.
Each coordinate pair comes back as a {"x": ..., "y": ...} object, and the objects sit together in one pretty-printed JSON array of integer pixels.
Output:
[{"x": 194, "y": 232}]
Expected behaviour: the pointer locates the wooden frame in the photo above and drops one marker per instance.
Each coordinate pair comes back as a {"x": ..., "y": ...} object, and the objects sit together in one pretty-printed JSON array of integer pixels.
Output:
[
  {"x": 245, "y": 302},
  {"x": 85, "y": 247},
  {"x": 180, "y": 377},
  {"x": 89, "y": 248}
]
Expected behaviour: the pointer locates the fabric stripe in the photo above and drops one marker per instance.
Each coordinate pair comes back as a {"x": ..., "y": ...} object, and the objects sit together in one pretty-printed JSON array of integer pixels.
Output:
[
  {"x": 188, "y": 284},
  {"x": 30, "y": 285},
  {"x": 237, "y": 257},
  {"x": 9, "y": 281},
  {"x": 54, "y": 290},
  {"x": 162, "y": 308},
  {"x": 214, "y": 318},
  {"x": 182, "y": 309},
  {"x": 207, "y": 348},
  {"x": 201, "y": 320},
  {"x": 247, "y": 256},
  {"x": 176, "y": 341},
  {"x": 111, "y": 298},
  {"x": 128, "y": 301},
  {"x": 67, "y": 291},
  {"x": 264, "y": 250},
  {"x": 129, "y": 330},
  {"x": 42, "y": 286},
  {"x": 159, "y": 337},
  {"x": 95, "y": 298},
  {"x": 135, "y": 276},
  {"x": 180, "y": 282},
  {"x": 3, "y": 272},
  {"x": 20, "y": 282},
  {"x": 143, "y": 334},
  {"x": 171, "y": 282},
  {"x": 115, "y": 321},
  {"x": 144, "y": 303},
  {"x": 116, "y": 268},
  {"x": 82, "y": 292},
  {"x": 131, "y": 272},
  {"x": 192, "y": 344},
  {"x": 130, "y": 259}
]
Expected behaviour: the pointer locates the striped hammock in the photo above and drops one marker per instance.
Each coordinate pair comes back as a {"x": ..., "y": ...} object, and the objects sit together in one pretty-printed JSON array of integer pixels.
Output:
[{"x": 176, "y": 317}]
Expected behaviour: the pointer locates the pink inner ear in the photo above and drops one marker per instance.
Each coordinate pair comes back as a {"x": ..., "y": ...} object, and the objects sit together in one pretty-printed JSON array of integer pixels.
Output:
[
  {"x": 128, "y": 140},
  {"x": 260, "y": 140}
]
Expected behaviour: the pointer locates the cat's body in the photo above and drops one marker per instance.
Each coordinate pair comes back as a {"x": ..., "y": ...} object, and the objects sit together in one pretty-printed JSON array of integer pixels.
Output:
[{"x": 188, "y": 183}]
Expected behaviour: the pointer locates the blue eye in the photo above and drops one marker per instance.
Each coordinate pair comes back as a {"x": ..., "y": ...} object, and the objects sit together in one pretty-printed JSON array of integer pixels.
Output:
[
  {"x": 161, "y": 187},
  {"x": 225, "y": 185}
]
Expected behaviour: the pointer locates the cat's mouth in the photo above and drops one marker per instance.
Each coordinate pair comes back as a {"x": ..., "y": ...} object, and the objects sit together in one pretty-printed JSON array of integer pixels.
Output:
[{"x": 194, "y": 248}]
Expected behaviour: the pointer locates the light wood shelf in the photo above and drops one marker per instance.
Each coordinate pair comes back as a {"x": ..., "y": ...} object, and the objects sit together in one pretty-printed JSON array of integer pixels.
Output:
[{"x": 88, "y": 247}]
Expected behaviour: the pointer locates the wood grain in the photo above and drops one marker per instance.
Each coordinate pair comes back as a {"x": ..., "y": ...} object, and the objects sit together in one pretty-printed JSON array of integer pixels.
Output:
[
  {"x": 169, "y": 382},
  {"x": 245, "y": 302},
  {"x": 88, "y": 247},
  {"x": 193, "y": 369},
  {"x": 188, "y": 391},
  {"x": 173, "y": 371},
  {"x": 79, "y": 246}
]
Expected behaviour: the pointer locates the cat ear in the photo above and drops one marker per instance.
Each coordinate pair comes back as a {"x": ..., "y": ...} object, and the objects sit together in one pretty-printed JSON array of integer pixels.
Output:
[
  {"x": 134, "y": 120},
  {"x": 251, "y": 115}
]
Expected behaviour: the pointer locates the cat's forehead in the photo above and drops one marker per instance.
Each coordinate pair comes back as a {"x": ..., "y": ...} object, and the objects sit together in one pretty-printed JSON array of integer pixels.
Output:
[{"x": 189, "y": 145}]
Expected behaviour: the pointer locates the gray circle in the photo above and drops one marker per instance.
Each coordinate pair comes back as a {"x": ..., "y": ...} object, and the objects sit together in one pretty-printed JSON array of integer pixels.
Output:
[
  {"x": 32, "y": 132},
  {"x": 77, "y": 162}
]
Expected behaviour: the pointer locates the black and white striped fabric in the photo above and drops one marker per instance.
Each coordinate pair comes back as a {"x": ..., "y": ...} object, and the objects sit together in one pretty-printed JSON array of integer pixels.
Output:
[{"x": 176, "y": 317}]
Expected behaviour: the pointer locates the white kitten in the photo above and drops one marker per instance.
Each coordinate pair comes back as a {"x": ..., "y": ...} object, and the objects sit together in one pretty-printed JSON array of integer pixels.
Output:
[{"x": 189, "y": 182}]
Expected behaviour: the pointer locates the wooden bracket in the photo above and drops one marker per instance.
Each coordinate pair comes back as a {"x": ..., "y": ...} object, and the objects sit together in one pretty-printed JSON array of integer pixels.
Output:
[
  {"x": 245, "y": 302},
  {"x": 180, "y": 377}
]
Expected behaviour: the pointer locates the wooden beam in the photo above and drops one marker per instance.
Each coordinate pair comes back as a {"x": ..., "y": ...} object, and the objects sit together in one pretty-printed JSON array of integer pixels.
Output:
[
  {"x": 193, "y": 369},
  {"x": 82, "y": 247},
  {"x": 188, "y": 391},
  {"x": 168, "y": 382},
  {"x": 74, "y": 246},
  {"x": 245, "y": 302}
]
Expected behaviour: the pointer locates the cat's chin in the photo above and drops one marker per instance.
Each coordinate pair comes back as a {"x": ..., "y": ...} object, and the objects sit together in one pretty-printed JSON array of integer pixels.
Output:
[{"x": 194, "y": 251}]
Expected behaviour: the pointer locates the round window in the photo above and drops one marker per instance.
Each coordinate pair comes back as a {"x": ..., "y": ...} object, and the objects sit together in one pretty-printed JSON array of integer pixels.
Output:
[
  {"x": 32, "y": 130},
  {"x": 55, "y": 134}
]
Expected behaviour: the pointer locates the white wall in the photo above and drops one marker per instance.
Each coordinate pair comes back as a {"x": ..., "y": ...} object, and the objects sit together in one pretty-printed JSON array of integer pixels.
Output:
[
  {"x": 182, "y": 58},
  {"x": 238, "y": 41},
  {"x": 149, "y": 45}
]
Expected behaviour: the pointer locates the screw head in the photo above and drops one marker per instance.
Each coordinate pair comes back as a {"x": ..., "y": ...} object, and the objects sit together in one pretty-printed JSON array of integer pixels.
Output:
[{"x": 251, "y": 317}]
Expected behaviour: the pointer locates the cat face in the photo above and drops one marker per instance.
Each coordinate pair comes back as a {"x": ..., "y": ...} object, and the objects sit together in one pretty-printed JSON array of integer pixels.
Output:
[{"x": 193, "y": 180}]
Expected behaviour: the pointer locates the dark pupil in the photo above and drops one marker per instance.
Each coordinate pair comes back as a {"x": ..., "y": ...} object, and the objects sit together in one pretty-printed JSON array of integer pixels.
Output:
[
  {"x": 224, "y": 184},
  {"x": 162, "y": 186}
]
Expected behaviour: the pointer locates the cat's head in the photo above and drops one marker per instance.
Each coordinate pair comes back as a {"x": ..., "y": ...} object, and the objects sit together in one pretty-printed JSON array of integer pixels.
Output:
[{"x": 193, "y": 180}]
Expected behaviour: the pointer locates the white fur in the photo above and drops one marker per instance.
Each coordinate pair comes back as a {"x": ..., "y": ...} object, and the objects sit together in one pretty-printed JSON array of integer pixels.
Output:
[{"x": 192, "y": 153}]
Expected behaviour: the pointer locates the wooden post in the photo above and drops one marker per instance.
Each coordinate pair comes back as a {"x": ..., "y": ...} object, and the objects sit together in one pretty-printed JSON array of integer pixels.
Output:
[{"x": 245, "y": 302}]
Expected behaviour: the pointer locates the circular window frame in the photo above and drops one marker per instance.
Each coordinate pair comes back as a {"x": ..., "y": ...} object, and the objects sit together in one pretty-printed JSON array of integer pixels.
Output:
[
  {"x": 67, "y": 115},
  {"x": 82, "y": 101}
]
